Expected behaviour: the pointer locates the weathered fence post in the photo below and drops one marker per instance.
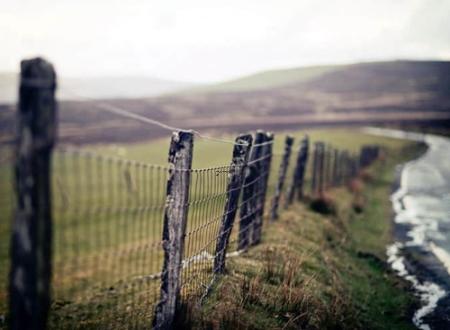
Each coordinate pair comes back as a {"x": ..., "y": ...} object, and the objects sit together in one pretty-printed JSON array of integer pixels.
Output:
[
  {"x": 345, "y": 167},
  {"x": 175, "y": 218},
  {"x": 299, "y": 171},
  {"x": 327, "y": 166},
  {"x": 321, "y": 167},
  {"x": 29, "y": 283},
  {"x": 300, "y": 179},
  {"x": 263, "y": 181},
  {"x": 335, "y": 167},
  {"x": 315, "y": 169},
  {"x": 281, "y": 176},
  {"x": 241, "y": 152},
  {"x": 249, "y": 193}
]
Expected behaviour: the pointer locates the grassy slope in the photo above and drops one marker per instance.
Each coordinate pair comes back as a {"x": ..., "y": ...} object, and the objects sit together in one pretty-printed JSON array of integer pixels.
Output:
[
  {"x": 269, "y": 79},
  {"x": 315, "y": 271},
  {"x": 401, "y": 75}
]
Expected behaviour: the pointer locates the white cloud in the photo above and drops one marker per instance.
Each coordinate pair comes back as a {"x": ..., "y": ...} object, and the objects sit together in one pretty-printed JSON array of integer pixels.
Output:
[{"x": 204, "y": 40}]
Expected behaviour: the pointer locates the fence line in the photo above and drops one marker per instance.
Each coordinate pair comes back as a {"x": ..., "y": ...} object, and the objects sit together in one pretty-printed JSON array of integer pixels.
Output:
[{"x": 131, "y": 240}]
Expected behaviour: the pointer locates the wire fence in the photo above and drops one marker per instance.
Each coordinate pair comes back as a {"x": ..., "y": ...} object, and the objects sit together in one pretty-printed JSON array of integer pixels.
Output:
[
  {"x": 107, "y": 250},
  {"x": 116, "y": 243}
]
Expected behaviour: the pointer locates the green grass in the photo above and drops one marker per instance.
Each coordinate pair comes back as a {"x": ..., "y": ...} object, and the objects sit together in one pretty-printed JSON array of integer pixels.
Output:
[
  {"x": 317, "y": 272},
  {"x": 269, "y": 79},
  {"x": 108, "y": 221}
]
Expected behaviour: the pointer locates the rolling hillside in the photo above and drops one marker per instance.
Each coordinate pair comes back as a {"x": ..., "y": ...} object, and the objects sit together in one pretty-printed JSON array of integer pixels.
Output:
[
  {"x": 360, "y": 94},
  {"x": 268, "y": 79}
]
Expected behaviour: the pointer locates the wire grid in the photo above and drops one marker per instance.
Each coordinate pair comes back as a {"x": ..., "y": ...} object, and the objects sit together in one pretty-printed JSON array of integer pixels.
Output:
[
  {"x": 207, "y": 198},
  {"x": 107, "y": 255}
]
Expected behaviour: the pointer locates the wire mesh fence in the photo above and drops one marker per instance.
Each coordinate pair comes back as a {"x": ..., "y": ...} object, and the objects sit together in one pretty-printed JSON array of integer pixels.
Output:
[
  {"x": 108, "y": 257},
  {"x": 107, "y": 251},
  {"x": 121, "y": 243}
]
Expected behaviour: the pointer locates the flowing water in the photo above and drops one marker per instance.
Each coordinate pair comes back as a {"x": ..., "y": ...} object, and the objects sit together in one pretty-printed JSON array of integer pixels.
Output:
[{"x": 422, "y": 204}]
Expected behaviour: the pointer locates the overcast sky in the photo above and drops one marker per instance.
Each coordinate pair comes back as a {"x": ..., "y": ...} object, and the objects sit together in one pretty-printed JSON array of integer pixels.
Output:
[{"x": 208, "y": 40}]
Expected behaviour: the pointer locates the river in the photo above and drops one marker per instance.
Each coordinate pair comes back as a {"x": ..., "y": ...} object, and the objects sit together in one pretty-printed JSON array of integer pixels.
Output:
[{"x": 422, "y": 211}]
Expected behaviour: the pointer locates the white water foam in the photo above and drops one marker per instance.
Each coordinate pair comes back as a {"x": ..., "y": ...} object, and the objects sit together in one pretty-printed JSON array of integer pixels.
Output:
[
  {"x": 429, "y": 293},
  {"x": 423, "y": 203}
]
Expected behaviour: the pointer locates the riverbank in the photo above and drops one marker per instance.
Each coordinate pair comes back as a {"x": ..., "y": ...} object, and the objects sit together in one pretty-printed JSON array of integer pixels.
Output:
[
  {"x": 319, "y": 271},
  {"x": 421, "y": 251}
]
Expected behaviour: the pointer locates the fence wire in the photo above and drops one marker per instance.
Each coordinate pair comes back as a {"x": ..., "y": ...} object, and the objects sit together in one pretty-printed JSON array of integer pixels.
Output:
[{"x": 107, "y": 240}]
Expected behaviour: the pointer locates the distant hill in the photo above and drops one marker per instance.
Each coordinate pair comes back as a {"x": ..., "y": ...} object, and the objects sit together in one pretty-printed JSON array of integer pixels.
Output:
[
  {"x": 98, "y": 87},
  {"x": 269, "y": 79},
  {"x": 356, "y": 94}
]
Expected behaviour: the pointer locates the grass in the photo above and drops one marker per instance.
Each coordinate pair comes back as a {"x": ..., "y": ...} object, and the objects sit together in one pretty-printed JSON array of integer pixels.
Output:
[
  {"x": 316, "y": 272},
  {"x": 108, "y": 223}
]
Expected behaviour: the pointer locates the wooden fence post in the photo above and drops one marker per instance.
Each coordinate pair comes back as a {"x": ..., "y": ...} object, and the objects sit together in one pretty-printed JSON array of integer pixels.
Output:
[
  {"x": 335, "y": 167},
  {"x": 31, "y": 240},
  {"x": 321, "y": 167},
  {"x": 281, "y": 176},
  {"x": 262, "y": 183},
  {"x": 175, "y": 218},
  {"x": 345, "y": 167},
  {"x": 241, "y": 152},
  {"x": 304, "y": 151},
  {"x": 315, "y": 169},
  {"x": 299, "y": 172},
  {"x": 327, "y": 166},
  {"x": 249, "y": 194}
]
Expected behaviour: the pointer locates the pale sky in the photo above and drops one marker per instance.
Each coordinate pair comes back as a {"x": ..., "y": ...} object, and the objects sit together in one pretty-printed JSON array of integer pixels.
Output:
[{"x": 209, "y": 40}]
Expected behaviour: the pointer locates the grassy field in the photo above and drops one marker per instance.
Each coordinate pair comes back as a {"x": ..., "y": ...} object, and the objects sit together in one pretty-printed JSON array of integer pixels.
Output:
[
  {"x": 108, "y": 223},
  {"x": 317, "y": 272}
]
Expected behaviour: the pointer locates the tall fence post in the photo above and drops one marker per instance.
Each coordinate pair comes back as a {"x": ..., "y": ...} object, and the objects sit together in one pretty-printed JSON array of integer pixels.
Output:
[
  {"x": 241, "y": 152},
  {"x": 335, "y": 167},
  {"x": 281, "y": 176},
  {"x": 249, "y": 193},
  {"x": 299, "y": 172},
  {"x": 175, "y": 218},
  {"x": 263, "y": 182},
  {"x": 29, "y": 283},
  {"x": 321, "y": 167},
  {"x": 315, "y": 169},
  {"x": 300, "y": 179},
  {"x": 327, "y": 166},
  {"x": 345, "y": 167}
]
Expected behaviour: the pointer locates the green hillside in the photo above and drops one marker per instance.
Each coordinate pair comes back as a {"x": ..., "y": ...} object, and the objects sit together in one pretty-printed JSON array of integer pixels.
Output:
[{"x": 270, "y": 79}]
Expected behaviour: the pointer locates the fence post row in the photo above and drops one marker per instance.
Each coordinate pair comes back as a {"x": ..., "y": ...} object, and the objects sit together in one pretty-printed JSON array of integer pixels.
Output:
[
  {"x": 175, "y": 218},
  {"x": 30, "y": 275},
  {"x": 281, "y": 176},
  {"x": 241, "y": 152},
  {"x": 249, "y": 193},
  {"x": 263, "y": 182}
]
